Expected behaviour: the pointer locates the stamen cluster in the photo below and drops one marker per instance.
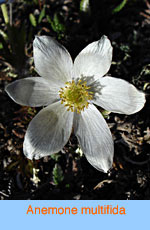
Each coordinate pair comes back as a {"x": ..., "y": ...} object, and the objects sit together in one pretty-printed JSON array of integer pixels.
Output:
[{"x": 76, "y": 95}]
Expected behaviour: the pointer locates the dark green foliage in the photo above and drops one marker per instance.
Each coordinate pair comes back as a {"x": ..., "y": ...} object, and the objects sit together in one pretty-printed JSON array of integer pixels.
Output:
[
  {"x": 67, "y": 175},
  {"x": 57, "y": 174},
  {"x": 120, "y": 6}
]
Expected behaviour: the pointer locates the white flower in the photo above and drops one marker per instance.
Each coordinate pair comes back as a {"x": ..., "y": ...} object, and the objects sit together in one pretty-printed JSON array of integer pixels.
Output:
[{"x": 69, "y": 91}]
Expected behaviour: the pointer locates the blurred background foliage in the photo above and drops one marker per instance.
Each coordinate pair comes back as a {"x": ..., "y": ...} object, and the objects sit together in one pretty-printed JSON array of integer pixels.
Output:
[{"x": 75, "y": 23}]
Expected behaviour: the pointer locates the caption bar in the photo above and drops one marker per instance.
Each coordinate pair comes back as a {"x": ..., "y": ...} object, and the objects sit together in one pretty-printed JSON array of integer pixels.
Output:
[{"x": 104, "y": 209}]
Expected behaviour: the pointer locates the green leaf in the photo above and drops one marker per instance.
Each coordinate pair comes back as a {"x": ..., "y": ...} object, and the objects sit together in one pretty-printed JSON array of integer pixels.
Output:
[
  {"x": 49, "y": 19},
  {"x": 5, "y": 13},
  {"x": 32, "y": 20},
  {"x": 4, "y": 35},
  {"x": 55, "y": 156},
  {"x": 85, "y": 6},
  {"x": 57, "y": 25},
  {"x": 57, "y": 174},
  {"x": 1, "y": 46},
  {"x": 42, "y": 15},
  {"x": 120, "y": 6}
]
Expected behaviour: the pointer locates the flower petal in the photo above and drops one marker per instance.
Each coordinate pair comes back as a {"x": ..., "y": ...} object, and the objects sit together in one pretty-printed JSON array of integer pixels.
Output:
[
  {"x": 119, "y": 96},
  {"x": 52, "y": 60},
  {"x": 48, "y": 132},
  {"x": 32, "y": 91},
  {"x": 95, "y": 138},
  {"x": 94, "y": 60}
]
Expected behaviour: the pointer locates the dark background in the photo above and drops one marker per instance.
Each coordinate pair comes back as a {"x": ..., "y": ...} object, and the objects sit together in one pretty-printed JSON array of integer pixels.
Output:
[{"x": 67, "y": 174}]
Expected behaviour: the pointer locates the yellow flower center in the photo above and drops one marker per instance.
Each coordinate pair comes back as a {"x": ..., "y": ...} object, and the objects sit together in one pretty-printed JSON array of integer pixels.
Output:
[{"x": 76, "y": 96}]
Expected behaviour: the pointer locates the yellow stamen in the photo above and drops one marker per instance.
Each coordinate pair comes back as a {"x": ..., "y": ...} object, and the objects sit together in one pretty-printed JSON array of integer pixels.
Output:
[{"x": 76, "y": 96}]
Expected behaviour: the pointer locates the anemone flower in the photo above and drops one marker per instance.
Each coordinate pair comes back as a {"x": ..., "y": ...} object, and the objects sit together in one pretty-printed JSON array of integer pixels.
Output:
[{"x": 67, "y": 91}]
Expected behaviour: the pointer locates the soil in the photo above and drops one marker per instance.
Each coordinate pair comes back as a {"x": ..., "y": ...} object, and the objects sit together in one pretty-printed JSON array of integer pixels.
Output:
[{"x": 67, "y": 174}]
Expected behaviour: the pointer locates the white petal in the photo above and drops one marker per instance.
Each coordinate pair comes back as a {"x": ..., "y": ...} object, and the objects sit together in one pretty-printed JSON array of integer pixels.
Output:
[
  {"x": 52, "y": 60},
  {"x": 48, "y": 132},
  {"x": 95, "y": 138},
  {"x": 94, "y": 60},
  {"x": 119, "y": 96},
  {"x": 32, "y": 91}
]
